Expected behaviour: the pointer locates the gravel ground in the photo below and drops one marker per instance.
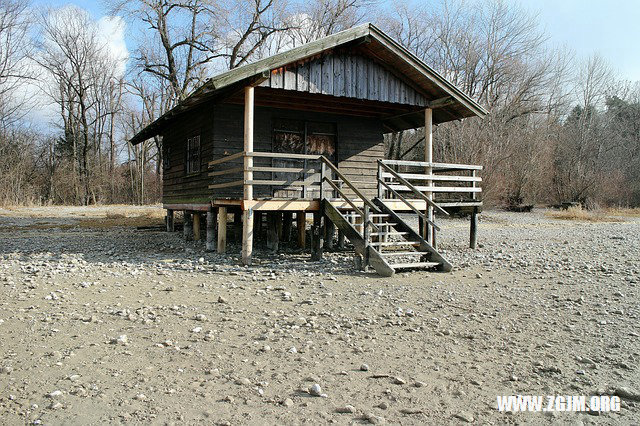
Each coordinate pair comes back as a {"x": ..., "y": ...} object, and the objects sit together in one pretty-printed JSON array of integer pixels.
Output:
[{"x": 114, "y": 324}]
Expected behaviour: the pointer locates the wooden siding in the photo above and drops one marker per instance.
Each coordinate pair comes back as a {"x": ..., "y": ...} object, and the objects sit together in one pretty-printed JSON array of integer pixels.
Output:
[
  {"x": 177, "y": 186},
  {"x": 345, "y": 75},
  {"x": 359, "y": 144}
]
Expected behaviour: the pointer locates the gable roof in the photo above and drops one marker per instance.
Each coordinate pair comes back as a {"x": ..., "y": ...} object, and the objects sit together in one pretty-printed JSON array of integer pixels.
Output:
[{"x": 440, "y": 91}]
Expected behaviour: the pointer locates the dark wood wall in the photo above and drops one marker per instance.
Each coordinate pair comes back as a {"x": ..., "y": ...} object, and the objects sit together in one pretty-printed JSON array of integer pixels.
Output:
[
  {"x": 177, "y": 187},
  {"x": 359, "y": 144}
]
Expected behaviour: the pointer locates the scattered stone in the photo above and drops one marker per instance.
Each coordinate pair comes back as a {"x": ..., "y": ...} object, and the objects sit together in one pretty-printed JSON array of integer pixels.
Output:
[
  {"x": 288, "y": 402},
  {"x": 465, "y": 416},
  {"x": 364, "y": 367},
  {"x": 316, "y": 390},
  {"x": 346, "y": 409}
]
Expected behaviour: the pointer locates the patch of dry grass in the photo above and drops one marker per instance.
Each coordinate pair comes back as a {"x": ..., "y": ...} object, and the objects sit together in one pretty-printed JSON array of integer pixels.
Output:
[
  {"x": 625, "y": 212},
  {"x": 579, "y": 214}
]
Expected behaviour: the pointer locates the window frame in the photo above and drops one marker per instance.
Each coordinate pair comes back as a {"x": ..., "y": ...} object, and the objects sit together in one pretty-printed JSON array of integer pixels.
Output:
[{"x": 193, "y": 160}]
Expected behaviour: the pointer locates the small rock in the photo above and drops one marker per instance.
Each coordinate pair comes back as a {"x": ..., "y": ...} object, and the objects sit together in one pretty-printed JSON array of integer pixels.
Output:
[
  {"x": 120, "y": 340},
  {"x": 243, "y": 381},
  {"x": 55, "y": 394},
  {"x": 316, "y": 390},
  {"x": 346, "y": 409},
  {"x": 374, "y": 420},
  {"x": 399, "y": 381},
  {"x": 222, "y": 299},
  {"x": 201, "y": 317},
  {"x": 465, "y": 416},
  {"x": 288, "y": 402},
  {"x": 364, "y": 367}
]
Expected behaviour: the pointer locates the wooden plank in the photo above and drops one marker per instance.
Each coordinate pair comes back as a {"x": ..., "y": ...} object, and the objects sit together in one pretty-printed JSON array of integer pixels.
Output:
[
  {"x": 339, "y": 75},
  {"x": 290, "y": 78},
  {"x": 277, "y": 78},
  {"x": 282, "y": 182},
  {"x": 418, "y": 176},
  {"x": 227, "y": 158},
  {"x": 282, "y": 205},
  {"x": 192, "y": 207},
  {"x": 327, "y": 75},
  {"x": 436, "y": 188},
  {"x": 283, "y": 155},
  {"x": 433, "y": 165},
  {"x": 315, "y": 76},
  {"x": 227, "y": 184},
  {"x": 303, "y": 77},
  {"x": 226, "y": 172},
  {"x": 284, "y": 169},
  {"x": 360, "y": 80}
]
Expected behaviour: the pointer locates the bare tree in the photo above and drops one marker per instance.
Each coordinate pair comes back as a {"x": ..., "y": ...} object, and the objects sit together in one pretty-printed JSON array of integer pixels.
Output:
[{"x": 15, "y": 49}]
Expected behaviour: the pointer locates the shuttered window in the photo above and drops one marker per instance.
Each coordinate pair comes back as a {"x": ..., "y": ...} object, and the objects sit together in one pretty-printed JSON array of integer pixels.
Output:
[{"x": 193, "y": 154}]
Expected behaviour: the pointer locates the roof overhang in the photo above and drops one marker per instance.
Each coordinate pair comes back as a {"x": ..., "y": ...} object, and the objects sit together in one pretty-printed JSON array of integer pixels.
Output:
[{"x": 449, "y": 103}]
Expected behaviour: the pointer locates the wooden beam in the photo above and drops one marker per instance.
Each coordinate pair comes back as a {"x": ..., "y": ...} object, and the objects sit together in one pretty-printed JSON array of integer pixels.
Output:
[
  {"x": 222, "y": 229},
  {"x": 272, "y": 231},
  {"x": 428, "y": 158},
  {"x": 441, "y": 102},
  {"x": 301, "y": 220},
  {"x": 473, "y": 229},
  {"x": 318, "y": 234},
  {"x": 169, "y": 221},
  {"x": 211, "y": 230},
  {"x": 247, "y": 215},
  {"x": 196, "y": 226},
  {"x": 187, "y": 228}
]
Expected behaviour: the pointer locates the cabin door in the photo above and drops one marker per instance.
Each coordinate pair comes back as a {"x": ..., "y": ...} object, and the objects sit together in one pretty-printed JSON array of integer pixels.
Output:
[{"x": 300, "y": 137}]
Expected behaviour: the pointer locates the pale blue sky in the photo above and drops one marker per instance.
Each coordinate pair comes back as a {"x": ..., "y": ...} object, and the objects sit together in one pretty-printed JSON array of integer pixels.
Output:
[{"x": 609, "y": 27}]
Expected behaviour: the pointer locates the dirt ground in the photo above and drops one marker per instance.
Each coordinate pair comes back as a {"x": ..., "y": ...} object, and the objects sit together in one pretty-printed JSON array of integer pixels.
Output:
[{"x": 101, "y": 323}]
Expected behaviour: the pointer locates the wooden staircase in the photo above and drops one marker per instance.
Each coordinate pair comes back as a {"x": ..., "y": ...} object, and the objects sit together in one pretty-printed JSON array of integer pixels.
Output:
[{"x": 385, "y": 241}]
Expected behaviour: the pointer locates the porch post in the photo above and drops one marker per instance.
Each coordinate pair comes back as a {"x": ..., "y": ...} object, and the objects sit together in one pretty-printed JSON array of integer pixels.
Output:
[
  {"x": 247, "y": 213},
  {"x": 428, "y": 157}
]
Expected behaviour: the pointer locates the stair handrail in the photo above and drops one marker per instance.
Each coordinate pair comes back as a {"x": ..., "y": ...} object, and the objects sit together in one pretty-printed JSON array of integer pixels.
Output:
[
  {"x": 367, "y": 203},
  {"x": 411, "y": 206},
  {"x": 411, "y": 187},
  {"x": 359, "y": 193}
]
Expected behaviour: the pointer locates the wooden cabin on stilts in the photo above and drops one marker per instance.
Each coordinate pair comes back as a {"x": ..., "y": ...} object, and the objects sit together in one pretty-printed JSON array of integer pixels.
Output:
[{"x": 301, "y": 133}]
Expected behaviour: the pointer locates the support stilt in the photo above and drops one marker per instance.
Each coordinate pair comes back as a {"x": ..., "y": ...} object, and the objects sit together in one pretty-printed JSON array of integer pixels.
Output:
[
  {"x": 473, "y": 229},
  {"x": 318, "y": 236},
  {"x": 187, "y": 229},
  {"x": 169, "y": 221},
  {"x": 196, "y": 226},
  {"x": 247, "y": 236},
  {"x": 222, "y": 229},
  {"x": 287, "y": 219},
  {"x": 340, "y": 240},
  {"x": 330, "y": 230},
  {"x": 211, "y": 230},
  {"x": 272, "y": 231},
  {"x": 301, "y": 219}
]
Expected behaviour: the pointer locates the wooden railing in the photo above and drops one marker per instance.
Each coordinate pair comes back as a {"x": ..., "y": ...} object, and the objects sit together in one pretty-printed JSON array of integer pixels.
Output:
[
  {"x": 451, "y": 184},
  {"x": 311, "y": 174}
]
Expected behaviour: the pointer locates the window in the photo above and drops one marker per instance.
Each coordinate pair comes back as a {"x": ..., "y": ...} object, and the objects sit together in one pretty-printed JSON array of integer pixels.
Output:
[
  {"x": 193, "y": 155},
  {"x": 166, "y": 154}
]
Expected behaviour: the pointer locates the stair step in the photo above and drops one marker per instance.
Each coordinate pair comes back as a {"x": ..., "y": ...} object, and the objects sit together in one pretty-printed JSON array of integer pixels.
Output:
[
  {"x": 386, "y": 224},
  {"x": 401, "y": 253},
  {"x": 379, "y": 215},
  {"x": 414, "y": 265},
  {"x": 395, "y": 243},
  {"x": 379, "y": 234}
]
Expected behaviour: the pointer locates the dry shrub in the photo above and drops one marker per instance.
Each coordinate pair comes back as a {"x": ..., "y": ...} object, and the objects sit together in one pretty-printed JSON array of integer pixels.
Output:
[
  {"x": 625, "y": 212},
  {"x": 580, "y": 214}
]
